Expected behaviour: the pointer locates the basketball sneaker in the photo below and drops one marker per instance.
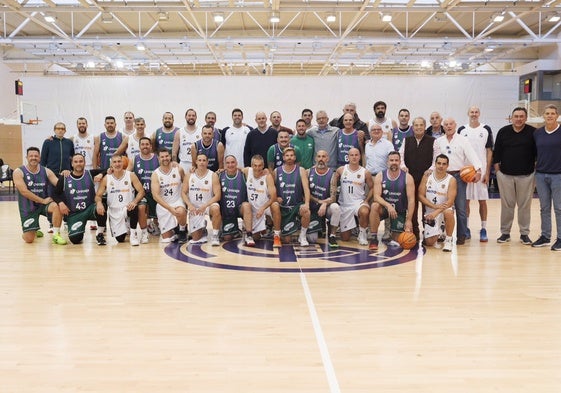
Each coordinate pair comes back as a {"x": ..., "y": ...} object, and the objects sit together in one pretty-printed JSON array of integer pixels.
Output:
[
  {"x": 447, "y": 245},
  {"x": 505, "y": 237},
  {"x": 362, "y": 240},
  {"x": 524, "y": 239},
  {"x": 57, "y": 239},
  {"x": 214, "y": 240},
  {"x": 541, "y": 242},
  {"x": 144, "y": 237},
  {"x": 332, "y": 241},
  {"x": 373, "y": 246},
  {"x": 557, "y": 245},
  {"x": 170, "y": 239},
  {"x": 182, "y": 237},
  {"x": 133, "y": 239},
  {"x": 249, "y": 241},
  {"x": 39, "y": 234},
  {"x": 100, "y": 239},
  {"x": 277, "y": 241},
  {"x": 483, "y": 235},
  {"x": 468, "y": 234},
  {"x": 303, "y": 241}
]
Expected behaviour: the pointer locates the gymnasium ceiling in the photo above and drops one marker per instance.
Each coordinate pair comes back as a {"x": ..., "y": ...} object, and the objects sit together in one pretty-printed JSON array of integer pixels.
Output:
[{"x": 186, "y": 37}]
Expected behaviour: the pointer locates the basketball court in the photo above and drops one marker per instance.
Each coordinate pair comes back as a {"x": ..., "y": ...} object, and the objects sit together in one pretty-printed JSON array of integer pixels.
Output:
[{"x": 165, "y": 318}]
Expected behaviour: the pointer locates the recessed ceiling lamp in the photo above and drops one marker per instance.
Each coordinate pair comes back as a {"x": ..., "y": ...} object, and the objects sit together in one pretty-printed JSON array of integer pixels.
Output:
[
  {"x": 140, "y": 46},
  {"x": 218, "y": 17},
  {"x": 554, "y": 18},
  {"x": 275, "y": 18},
  {"x": 163, "y": 16},
  {"x": 331, "y": 18},
  {"x": 386, "y": 17}
]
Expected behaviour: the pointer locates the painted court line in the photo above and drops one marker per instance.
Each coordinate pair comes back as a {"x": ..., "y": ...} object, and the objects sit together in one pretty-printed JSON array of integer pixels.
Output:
[{"x": 326, "y": 359}]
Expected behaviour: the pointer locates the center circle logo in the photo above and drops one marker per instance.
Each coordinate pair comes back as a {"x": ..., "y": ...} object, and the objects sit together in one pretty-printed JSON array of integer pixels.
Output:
[{"x": 290, "y": 258}]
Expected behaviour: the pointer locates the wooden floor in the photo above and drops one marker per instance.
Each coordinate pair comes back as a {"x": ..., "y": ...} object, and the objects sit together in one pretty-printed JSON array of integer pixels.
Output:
[{"x": 485, "y": 318}]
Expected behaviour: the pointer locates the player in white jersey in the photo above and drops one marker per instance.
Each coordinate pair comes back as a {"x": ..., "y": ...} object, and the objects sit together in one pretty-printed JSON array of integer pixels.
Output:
[
  {"x": 201, "y": 193},
  {"x": 166, "y": 184},
  {"x": 133, "y": 141},
  {"x": 124, "y": 192},
  {"x": 437, "y": 192},
  {"x": 128, "y": 129},
  {"x": 262, "y": 196},
  {"x": 356, "y": 187},
  {"x": 480, "y": 138},
  {"x": 233, "y": 137},
  {"x": 84, "y": 142},
  {"x": 380, "y": 118},
  {"x": 184, "y": 139}
]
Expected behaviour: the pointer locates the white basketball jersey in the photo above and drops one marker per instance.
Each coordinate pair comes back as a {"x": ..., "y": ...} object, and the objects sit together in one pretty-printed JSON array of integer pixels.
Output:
[
  {"x": 200, "y": 188},
  {"x": 120, "y": 192},
  {"x": 353, "y": 186},
  {"x": 257, "y": 191},
  {"x": 170, "y": 185},
  {"x": 386, "y": 125},
  {"x": 85, "y": 147},
  {"x": 477, "y": 137},
  {"x": 133, "y": 149},
  {"x": 437, "y": 190},
  {"x": 235, "y": 142},
  {"x": 186, "y": 139}
]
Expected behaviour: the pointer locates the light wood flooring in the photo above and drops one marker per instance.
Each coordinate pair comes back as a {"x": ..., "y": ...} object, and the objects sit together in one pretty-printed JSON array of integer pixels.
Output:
[{"x": 83, "y": 318}]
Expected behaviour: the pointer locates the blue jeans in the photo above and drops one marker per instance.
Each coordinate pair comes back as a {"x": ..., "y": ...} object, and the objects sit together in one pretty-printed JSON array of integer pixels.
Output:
[
  {"x": 549, "y": 190},
  {"x": 460, "y": 204}
]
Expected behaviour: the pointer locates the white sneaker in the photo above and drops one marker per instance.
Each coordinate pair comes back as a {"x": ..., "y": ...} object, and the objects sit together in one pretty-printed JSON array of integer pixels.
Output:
[
  {"x": 447, "y": 245},
  {"x": 214, "y": 240},
  {"x": 144, "y": 237},
  {"x": 249, "y": 241},
  {"x": 134, "y": 239},
  {"x": 362, "y": 239},
  {"x": 303, "y": 241},
  {"x": 168, "y": 239}
]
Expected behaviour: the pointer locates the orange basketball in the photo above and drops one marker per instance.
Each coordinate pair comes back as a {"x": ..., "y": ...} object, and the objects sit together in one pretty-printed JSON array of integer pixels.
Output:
[
  {"x": 468, "y": 173},
  {"x": 407, "y": 240},
  {"x": 125, "y": 162}
]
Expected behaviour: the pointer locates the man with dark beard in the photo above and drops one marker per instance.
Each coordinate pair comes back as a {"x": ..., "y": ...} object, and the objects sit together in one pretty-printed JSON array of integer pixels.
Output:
[{"x": 380, "y": 118}]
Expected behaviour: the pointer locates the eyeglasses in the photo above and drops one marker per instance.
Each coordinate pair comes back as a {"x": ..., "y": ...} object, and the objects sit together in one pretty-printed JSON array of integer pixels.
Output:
[{"x": 60, "y": 128}]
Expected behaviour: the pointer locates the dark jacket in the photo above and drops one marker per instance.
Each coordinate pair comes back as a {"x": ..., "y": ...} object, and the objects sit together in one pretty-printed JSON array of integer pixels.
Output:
[{"x": 56, "y": 154}]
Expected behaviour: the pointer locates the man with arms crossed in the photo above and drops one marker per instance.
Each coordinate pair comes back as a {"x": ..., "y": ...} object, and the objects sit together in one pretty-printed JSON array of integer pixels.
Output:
[
  {"x": 184, "y": 139},
  {"x": 164, "y": 136},
  {"x": 437, "y": 192}
]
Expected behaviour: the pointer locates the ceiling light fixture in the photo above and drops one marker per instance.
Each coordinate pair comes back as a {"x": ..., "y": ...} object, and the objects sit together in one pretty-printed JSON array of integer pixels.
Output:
[
  {"x": 554, "y": 18},
  {"x": 163, "y": 16},
  {"x": 331, "y": 18},
  {"x": 275, "y": 18},
  {"x": 140, "y": 46},
  {"x": 499, "y": 17},
  {"x": 218, "y": 17},
  {"x": 49, "y": 18},
  {"x": 386, "y": 17}
]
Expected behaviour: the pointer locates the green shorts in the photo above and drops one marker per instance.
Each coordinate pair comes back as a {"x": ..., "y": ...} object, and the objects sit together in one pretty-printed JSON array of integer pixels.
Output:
[
  {"x": 77, "y": 221},
  {"x": 230, "y": 226},
  {"x": 290, "y": 220},
  {"x": 396, "y": 224},
  {"x": 30, "y": 222},
  {"x": 317, "y": 223}
]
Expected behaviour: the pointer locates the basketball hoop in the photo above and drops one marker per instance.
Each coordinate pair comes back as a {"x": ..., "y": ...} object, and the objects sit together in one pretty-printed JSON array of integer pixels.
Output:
[{"x": 33, "y": 122}]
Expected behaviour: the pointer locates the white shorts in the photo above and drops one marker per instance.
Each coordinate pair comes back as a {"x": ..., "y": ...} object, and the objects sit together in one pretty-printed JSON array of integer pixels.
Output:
[
  {"x": 348, "y": 214},
  {"x": 259, "y": 224},
  {"x": 166, "y": 220},
  {"x": 118, "y": 221},
  {"x": 437, "y": 229},
  {"x": 198, "y": 221},
  {"x": 477, "y": 191}
]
